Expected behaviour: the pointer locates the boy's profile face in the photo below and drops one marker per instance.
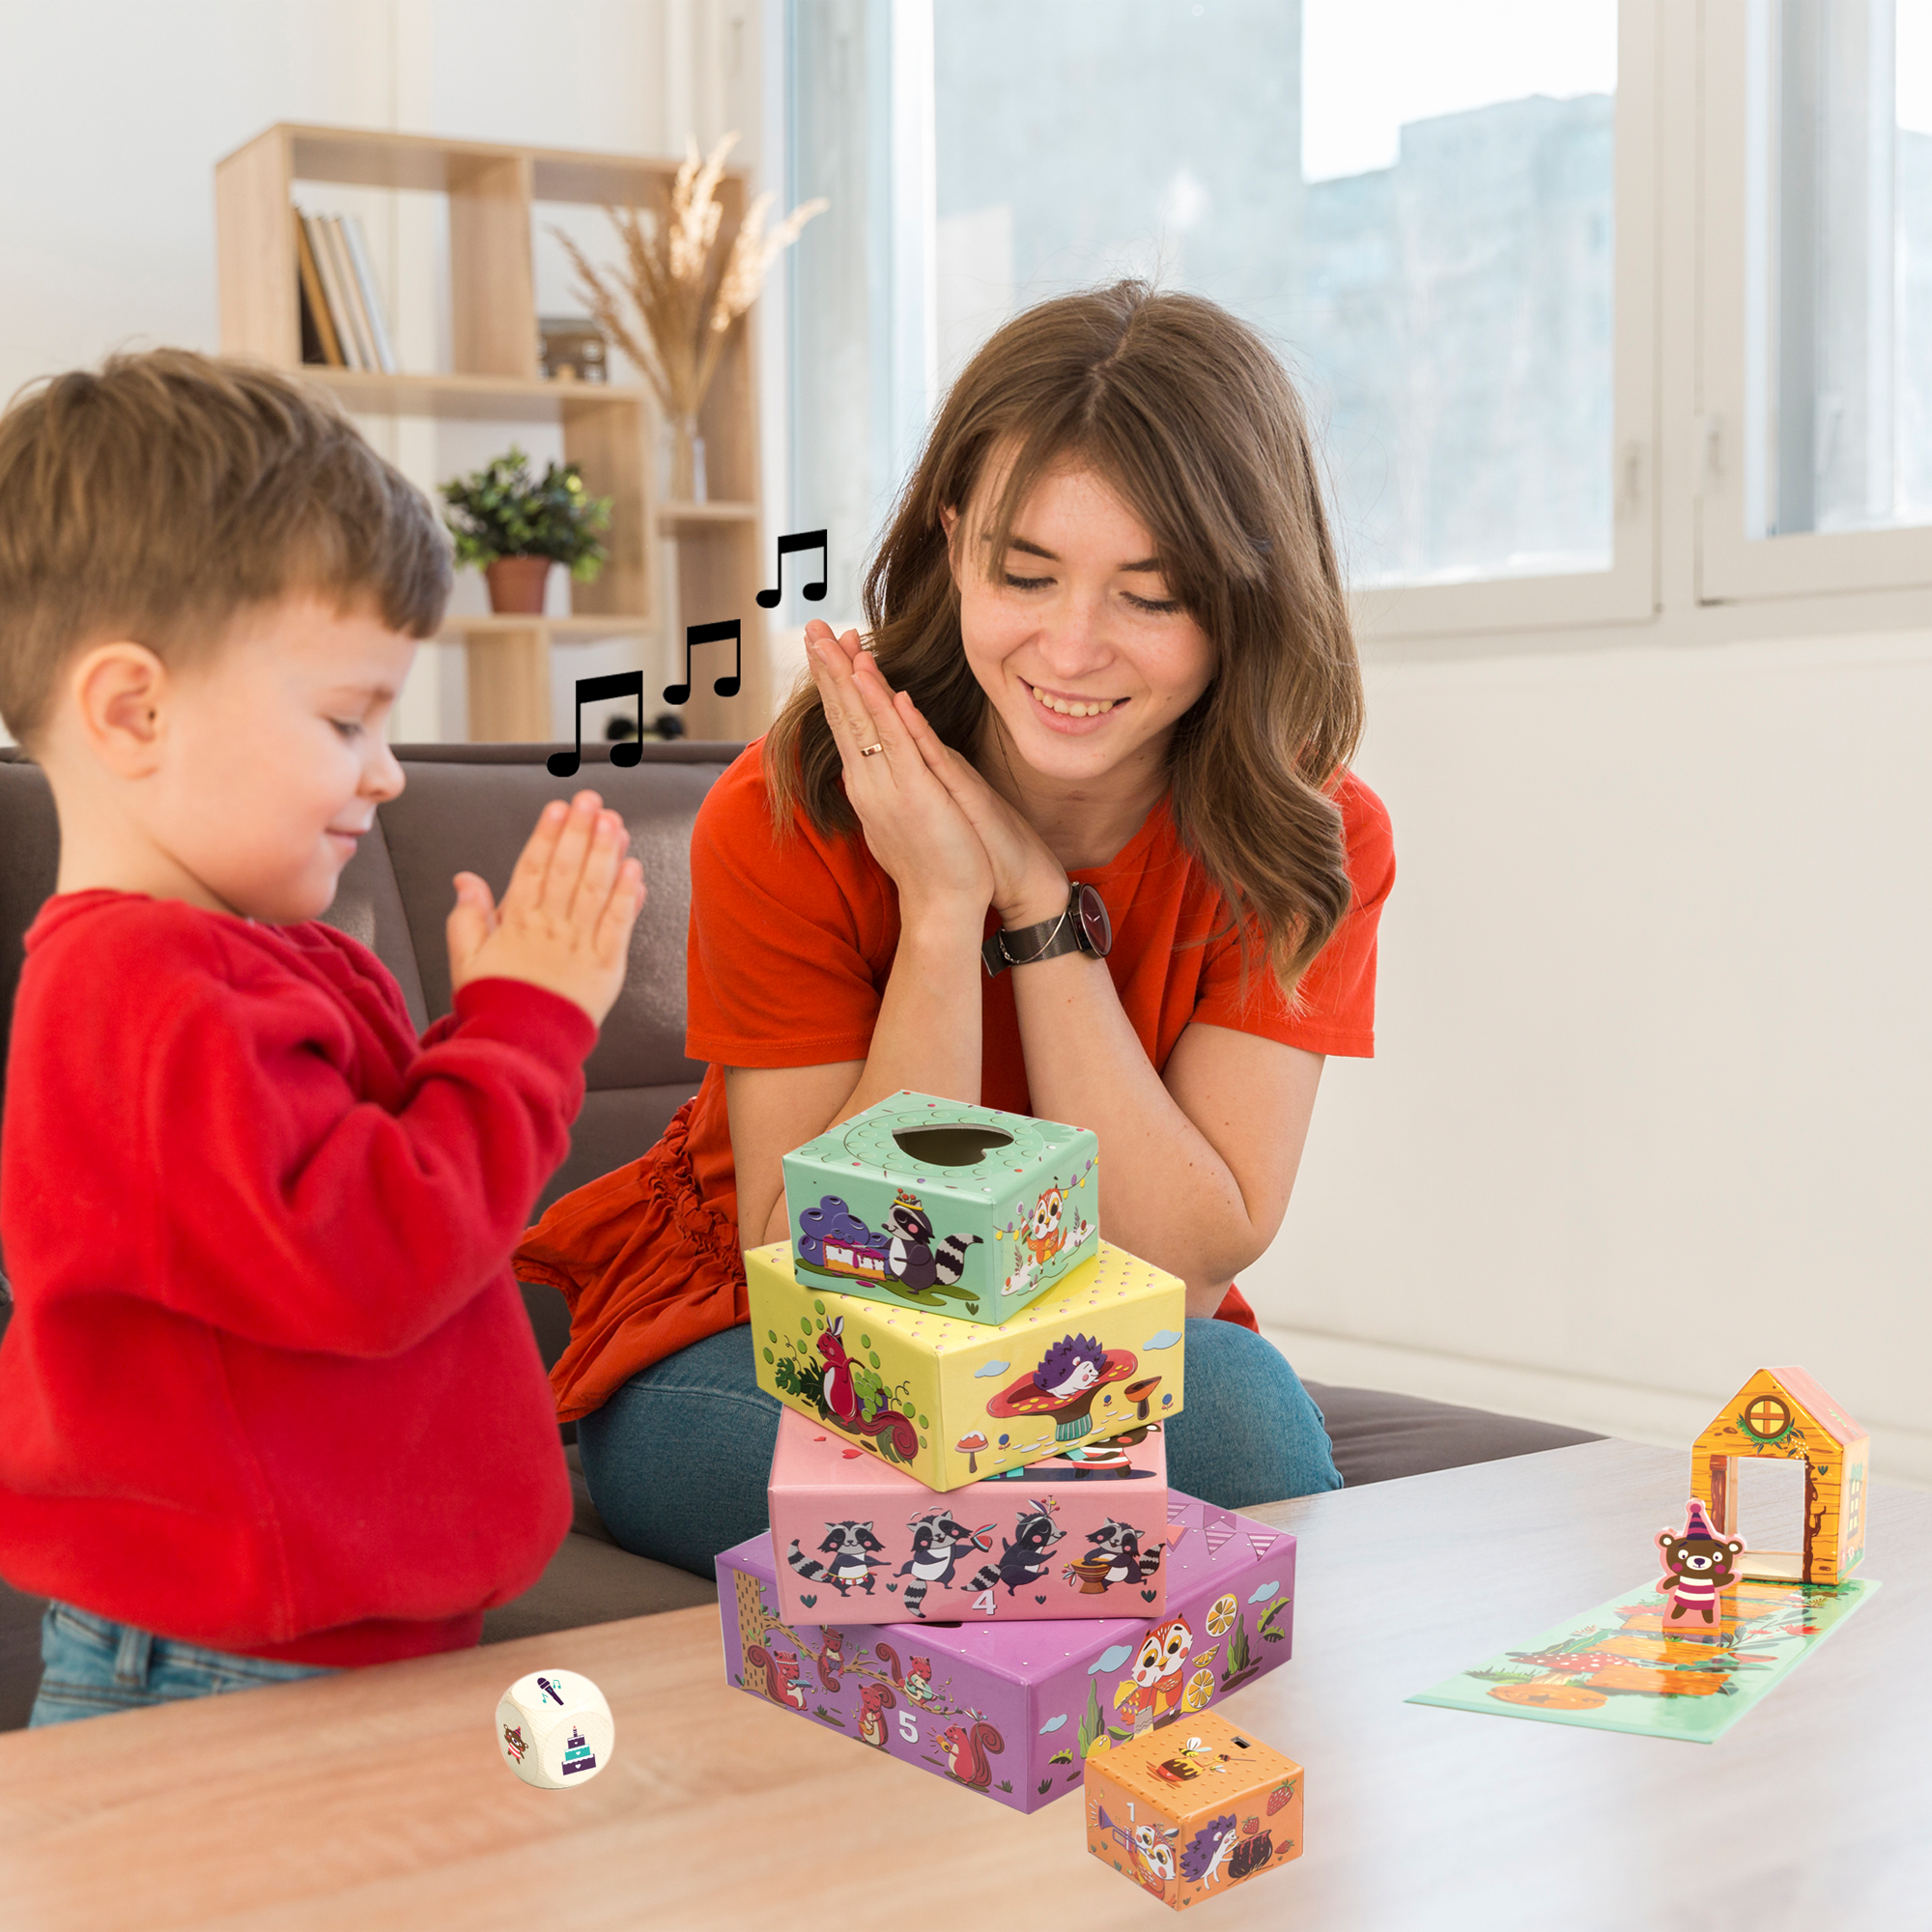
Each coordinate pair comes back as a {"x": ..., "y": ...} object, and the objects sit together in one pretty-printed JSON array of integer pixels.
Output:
[{"x": 271, "y": 759}]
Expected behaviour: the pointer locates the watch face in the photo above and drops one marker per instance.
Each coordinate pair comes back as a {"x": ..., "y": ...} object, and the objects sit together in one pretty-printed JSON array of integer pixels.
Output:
[{"x": 1096, "y": 928}]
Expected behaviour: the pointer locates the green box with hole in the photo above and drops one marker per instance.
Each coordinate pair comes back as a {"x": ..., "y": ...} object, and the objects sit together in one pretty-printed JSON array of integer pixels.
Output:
[{"x": 965, "y": 1211}]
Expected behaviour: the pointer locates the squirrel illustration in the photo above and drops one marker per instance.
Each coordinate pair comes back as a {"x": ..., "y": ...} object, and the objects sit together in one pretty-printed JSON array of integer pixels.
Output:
[
  {"x": 917, "y": 1681},
  {"x": 875, "y": 1701},
  {"x": 831, "y": 1658},
  {"x": 850, "y": 1546},
  {"x": 782, "y": 1685},
  {"x": 1024, "y": 1560},
  {"x": 966, "y": 1753},
  {"x": 840, "y": 1400}
]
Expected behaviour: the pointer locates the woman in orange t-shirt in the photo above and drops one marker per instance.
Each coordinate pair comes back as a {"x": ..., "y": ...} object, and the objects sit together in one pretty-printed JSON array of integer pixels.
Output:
[{"x": 1109, "y": 693}]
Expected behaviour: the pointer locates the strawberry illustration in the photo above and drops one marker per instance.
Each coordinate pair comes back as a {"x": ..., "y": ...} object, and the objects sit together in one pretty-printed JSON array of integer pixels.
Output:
[{"x": 1279, "y": 1795}]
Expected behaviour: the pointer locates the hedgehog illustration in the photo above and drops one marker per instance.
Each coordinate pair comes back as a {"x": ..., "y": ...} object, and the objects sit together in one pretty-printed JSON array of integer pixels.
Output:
[{"x": 1073, "y": 1364}]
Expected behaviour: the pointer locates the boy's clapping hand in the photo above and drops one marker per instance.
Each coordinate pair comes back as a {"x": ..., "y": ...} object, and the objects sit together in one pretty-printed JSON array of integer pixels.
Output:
[{"x": 566, "y": 921}]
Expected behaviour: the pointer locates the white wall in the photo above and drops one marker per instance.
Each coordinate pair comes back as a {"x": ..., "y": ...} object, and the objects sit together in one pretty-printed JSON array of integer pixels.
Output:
[
  {"x": 1654, "y": 1042},
  {"x": 113, "y": 114}
]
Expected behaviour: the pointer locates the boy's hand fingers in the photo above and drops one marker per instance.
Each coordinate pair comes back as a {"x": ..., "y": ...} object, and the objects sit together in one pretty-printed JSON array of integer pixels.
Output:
[
  {"x": 533, "y": 862},
  {"x": 557, "y": 888},
  {"x": 620, "y": 911},
  {"x": 471, "y": 921},
  {"x": 610, "y": 840}
]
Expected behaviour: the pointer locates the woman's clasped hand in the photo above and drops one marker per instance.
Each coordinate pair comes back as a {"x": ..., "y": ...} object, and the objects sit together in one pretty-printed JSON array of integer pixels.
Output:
[{"x": 928, "y": 818}]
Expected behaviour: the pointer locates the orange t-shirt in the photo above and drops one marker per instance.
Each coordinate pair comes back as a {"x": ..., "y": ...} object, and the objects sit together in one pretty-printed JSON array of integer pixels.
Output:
[{"x": 788, "y": 956}]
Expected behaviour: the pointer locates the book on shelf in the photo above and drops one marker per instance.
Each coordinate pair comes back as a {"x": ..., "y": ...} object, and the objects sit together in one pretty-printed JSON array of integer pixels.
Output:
[
  {"x": 318, "y": 342},
  {"x": 338, "y": 286},
  {"x": 332, "y": 293},
  {"x": 352, "y": 300},
  {"x": 371, "y": 294}
]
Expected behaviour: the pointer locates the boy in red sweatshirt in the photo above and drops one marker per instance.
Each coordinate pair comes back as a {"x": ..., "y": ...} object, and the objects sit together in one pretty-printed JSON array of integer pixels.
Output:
[{"x": 270, "y": 1401}]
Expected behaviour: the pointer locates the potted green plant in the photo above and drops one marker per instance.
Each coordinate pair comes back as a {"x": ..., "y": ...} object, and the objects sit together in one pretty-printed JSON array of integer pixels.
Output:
[{"x": 515, "y": 526}]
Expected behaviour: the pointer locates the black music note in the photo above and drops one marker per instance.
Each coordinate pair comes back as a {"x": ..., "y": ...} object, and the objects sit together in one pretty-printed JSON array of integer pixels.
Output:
[
  {"x": 789, "y": 546},
  {"x": 619, "y": 684},
  {"x": 709, "y": 634}
]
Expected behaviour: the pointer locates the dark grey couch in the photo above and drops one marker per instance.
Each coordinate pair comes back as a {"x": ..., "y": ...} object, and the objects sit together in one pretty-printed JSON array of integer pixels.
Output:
[{"x": 471, "y": 806}]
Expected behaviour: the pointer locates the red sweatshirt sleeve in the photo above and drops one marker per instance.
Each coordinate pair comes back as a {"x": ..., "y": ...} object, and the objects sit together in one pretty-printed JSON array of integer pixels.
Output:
[{"x": 298, "y": 1215}]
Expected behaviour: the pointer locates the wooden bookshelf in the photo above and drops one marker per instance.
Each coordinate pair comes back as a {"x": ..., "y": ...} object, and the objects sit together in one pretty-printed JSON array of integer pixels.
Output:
[{"x": 610, "y": 431}]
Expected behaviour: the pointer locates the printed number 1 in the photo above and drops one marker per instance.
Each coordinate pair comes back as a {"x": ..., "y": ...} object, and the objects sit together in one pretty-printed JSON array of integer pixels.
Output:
[
  {"x": 984, "y": 1602},
  {"x": 908, "y": 1727}
]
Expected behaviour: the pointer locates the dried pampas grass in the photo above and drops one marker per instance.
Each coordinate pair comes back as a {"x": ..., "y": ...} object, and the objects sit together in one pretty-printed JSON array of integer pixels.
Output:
[{"x": 685, "y": 302}]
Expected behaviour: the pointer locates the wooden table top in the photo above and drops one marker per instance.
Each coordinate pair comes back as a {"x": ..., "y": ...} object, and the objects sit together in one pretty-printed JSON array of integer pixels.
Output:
[{"x": 377, "y": 1799}]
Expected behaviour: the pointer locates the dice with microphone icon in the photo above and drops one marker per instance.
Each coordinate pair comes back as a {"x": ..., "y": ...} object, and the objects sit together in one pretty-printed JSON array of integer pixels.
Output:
[{"x": 554, "y": 1729}]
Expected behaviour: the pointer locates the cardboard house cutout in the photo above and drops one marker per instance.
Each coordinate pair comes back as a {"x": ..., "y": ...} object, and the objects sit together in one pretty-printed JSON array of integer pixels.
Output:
[{"x": 1783, "y": 1412}]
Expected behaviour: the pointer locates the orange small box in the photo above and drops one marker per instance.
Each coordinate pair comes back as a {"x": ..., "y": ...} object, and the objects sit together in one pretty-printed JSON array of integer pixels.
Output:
[{"x": 1192, "y": 1808}]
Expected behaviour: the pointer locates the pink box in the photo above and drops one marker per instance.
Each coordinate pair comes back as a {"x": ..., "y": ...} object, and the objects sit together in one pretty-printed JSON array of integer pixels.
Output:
[
  {"x": 1079, "y": 1535},
  {"x": 1014, "y": 1709}
]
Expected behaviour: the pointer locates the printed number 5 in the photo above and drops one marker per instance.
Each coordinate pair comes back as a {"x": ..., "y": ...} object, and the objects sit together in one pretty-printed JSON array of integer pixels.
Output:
[
  {"x": 908, "y": 1727},
  {"x": 984, "y": 1602}
]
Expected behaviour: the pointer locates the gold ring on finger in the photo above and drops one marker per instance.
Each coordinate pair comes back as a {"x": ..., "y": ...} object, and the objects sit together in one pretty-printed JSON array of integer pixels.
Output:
[{"x": 867, "y": 750}]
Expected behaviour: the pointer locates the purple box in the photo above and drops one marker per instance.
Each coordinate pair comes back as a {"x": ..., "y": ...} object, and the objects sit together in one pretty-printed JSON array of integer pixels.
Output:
[{"x": 1012, "y": 1709}]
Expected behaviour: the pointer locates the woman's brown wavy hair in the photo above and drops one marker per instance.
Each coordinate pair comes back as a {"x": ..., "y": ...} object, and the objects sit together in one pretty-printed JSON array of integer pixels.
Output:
[{"x": 1192, "y": 420}]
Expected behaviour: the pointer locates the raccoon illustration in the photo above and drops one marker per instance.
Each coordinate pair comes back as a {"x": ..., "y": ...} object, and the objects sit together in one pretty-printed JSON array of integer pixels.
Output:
[
  {"x": 850, "y": 1546},
  {"x": 939, "y": 1545},
  {"x": 1120, "y": 1543},
  {"x": 911, "y": 1256},
  {"x": 1024, "y": 1560}
]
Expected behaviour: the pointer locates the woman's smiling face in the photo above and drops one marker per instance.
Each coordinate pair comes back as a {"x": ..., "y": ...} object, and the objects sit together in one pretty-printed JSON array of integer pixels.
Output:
[{"x": 1086, "y": 658}]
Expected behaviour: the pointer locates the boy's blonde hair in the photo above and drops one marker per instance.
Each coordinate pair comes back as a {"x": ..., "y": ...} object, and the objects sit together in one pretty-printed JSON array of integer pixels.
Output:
[{"x": 159, "y": 499}]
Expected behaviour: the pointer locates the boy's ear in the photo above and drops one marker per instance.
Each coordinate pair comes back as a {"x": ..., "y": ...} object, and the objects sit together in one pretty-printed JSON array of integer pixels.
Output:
[{"x": 115, "y": 693}]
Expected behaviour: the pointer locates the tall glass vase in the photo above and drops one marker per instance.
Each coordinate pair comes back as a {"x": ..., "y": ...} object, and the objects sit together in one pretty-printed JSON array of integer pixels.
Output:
[{"x": 681, "y": 466}]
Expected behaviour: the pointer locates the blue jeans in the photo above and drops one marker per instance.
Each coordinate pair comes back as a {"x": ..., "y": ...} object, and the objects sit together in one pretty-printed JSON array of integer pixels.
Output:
[
  {"x": 678, "y": 1458},
  {"x": 90, "y": 1667}
]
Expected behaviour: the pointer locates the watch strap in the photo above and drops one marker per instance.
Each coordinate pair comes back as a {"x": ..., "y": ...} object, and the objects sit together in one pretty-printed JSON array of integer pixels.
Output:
[{"x": 1025, "y": 945}]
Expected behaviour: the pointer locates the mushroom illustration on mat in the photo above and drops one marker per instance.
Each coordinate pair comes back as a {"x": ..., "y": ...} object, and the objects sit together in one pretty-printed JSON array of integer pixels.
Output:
[
  {"x": 1070, "y": 1374},
  {"x": 971, "y": 1442}
]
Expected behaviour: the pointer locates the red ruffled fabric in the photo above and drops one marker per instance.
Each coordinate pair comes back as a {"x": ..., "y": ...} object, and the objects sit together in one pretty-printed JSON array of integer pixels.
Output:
[{"x": 647, "y": 1265}]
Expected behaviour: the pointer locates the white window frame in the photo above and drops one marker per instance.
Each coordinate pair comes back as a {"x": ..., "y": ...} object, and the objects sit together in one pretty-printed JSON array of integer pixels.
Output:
[
  {"x": 1731, "y": 565},
  {"x": 1627, "y": 592}
]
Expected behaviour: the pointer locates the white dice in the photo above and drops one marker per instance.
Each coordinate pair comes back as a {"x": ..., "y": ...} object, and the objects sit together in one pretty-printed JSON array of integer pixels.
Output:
[{"x": 554, "y": 1729}]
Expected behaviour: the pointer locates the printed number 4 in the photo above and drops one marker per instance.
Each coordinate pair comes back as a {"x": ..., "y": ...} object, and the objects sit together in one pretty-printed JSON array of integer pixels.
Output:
[
  {"x": 984, "y": 1602},
  {"x": 908, "y": 1727}
]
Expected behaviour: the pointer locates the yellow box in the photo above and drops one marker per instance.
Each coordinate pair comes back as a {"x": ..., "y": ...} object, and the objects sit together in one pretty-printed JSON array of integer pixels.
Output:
[{"x": 1098, "y": 1354}]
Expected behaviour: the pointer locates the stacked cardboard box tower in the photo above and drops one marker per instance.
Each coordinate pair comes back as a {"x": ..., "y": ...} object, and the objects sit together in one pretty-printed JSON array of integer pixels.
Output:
[{"x": 973, "y": 1463}]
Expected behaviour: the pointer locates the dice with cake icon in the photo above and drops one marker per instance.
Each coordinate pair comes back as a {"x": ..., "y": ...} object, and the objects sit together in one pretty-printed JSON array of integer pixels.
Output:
[
  {"x": 961, "y": 1211},
  {"x": 555, "y": 1729}
]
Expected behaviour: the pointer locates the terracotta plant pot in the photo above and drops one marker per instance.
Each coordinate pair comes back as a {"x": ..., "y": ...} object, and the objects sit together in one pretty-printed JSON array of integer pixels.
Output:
[{"x": 517, "y": 585}]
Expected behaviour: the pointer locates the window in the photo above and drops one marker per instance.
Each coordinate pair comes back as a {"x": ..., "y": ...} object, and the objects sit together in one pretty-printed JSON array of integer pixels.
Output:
[
  {"x": 1511, "y": 251},
  {"x": 1818, "y": 320},
  {"x": 1417, "y": 205}
]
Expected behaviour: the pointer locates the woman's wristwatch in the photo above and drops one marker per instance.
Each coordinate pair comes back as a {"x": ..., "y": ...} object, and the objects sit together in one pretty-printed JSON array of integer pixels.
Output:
[{"x": 1083, "y": 928}]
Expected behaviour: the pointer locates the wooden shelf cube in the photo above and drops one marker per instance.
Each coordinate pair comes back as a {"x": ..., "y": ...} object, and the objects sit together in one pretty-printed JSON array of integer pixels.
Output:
[{"x": 607, "y": 430}]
